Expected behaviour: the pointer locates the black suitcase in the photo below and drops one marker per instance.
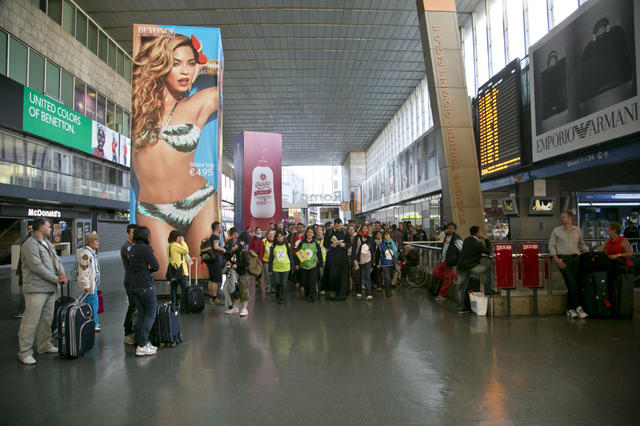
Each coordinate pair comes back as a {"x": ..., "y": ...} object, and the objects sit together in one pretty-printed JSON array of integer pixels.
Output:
[
  {"x": 622, "y": 296},
  {"x": 194, "y": 298},
  {"x": 76, "y": 329},
  {"x": 59, "y": 303},
  {"x": 596, "y": 300},
  {"x": 166, "y": 327}
]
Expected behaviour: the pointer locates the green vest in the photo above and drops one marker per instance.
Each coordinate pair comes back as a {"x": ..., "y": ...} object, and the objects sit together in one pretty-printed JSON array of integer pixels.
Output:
[
  {"x": 310, "y": 249},
  {"x": 281, "y": 261},
  {"x": 324, "y": 252},
  {"x": 267, "y": 250}
]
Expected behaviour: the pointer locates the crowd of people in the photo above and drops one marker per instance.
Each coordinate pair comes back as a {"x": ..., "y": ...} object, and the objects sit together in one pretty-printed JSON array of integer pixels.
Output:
[{"x": 330, "y": 260}]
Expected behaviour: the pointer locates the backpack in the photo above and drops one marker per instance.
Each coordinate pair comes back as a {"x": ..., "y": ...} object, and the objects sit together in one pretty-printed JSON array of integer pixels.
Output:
[
  {"x": 206, "y": 251},
  {"x": 255, "y": 264}
]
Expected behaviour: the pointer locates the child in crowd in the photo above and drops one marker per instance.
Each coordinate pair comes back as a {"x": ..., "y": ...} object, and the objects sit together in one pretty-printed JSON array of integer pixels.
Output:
[{"x": 308, "y": 261}]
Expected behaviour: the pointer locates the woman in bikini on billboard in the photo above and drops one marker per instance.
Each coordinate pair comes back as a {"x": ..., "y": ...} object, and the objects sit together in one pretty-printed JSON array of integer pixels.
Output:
[{"x": 166, "y": 127}]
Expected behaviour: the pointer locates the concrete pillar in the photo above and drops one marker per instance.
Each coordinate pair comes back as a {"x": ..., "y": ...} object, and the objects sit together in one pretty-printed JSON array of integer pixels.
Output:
[
  {"x": 354, "y": 173},
  {"x": 458, "y": 162}
]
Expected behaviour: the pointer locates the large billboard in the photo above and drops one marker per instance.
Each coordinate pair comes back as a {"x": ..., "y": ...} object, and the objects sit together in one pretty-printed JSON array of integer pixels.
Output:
[
  {"x": 176, "y": 133},
  {"x": 585, "y": 74},
  {"x": 257, "y": 179}
]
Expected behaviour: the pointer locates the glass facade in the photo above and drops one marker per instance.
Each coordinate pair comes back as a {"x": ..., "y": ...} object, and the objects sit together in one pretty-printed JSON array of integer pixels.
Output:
[{"x": 36, "y": 71}]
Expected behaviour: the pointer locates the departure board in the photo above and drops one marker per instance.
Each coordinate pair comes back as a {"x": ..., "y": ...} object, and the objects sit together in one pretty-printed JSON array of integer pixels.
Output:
[{"x": 498, "y": 104}]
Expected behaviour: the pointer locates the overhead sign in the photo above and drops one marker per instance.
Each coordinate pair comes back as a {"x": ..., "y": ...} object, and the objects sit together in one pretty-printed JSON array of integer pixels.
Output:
[
  {"x": 584, "y": 79},
  {"x": 499, "y": 121}
]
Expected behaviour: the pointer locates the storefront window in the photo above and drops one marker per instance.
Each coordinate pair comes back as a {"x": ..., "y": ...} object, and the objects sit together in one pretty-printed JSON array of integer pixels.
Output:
[
  {"x": 538, "y": 23},
  {"x": 101, "y": 109},
  {"x": 102, "y": 46},
  {"x": 17, "y": 61},
  {"x": 91, "y": 103},
  {"x": 66, "y": 89},
  {"x": 68, "y": 16},
  {"x": 92, "y": 38},
  {"x": 53, "y": 80},
  {"x": 3, "y": 53},
  {"x": 81, "y": 27},
  {"x": 79, "y": 97},
  {"x": 36, "y": 71},
  {"x": 55, "y": 10},
  {"x": 515, "y": 30}
]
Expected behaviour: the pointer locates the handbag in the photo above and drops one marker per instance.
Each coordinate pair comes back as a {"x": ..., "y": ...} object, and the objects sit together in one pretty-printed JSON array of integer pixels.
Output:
[
  {"x": 554, "y": 86},
  {"x": 173, "y": 272},
  {"x": 606, "y": 61}
]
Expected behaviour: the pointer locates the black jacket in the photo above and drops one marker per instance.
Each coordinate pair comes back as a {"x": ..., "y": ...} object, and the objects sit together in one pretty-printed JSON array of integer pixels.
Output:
[
  {"x": 453, "y": 254},
  {"x": 358, "y": 242},
  {"x": 340, "y": 235},
  {"x": 143, "y": 264},
  {"x": 472, "y": 250}
]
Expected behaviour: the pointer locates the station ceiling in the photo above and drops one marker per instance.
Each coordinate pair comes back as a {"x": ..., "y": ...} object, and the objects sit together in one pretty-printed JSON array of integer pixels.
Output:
[{"x": 326, "y": 74}]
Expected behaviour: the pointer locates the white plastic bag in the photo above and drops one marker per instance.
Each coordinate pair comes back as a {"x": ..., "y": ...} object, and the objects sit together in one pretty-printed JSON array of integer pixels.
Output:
[{"x": 479, "y": 303}]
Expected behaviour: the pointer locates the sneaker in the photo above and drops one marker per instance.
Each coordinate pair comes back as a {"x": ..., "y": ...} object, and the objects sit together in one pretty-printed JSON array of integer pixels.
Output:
[
  {"x": 212, "y": 302},
  {"x": 128, "y": 339},
  {"x": 358, "y": 296},
  {"x": 233, "y": 310},
  {"x": 145, "y": 351},
  {"x": 571, "y": 313},
  {"x": 17, "y": 315},
  {"x": 98, "y": 329},
  {"x": 28, "y": 360},
  {"x": 581, "y": 313},
  {"x": 369, "y": 298},
  {"x": 463, "y": 311},
  {"x": 440, "y": 298},
  {"x": 244, "y": 312},
  {"x": 51, "y": 350},
  {"x": 218, "y": 302},
  {"x": 150, "y": 346}
]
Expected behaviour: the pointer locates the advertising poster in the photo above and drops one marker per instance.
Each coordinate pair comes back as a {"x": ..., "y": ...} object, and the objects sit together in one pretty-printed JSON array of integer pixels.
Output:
[
  {"x": 105, "y": 143},
  {"x": 125, "y": 151},
  {"x": 585, "y": 75},
  {"x": 258, "y": 179},
  {"x": 175, "y": 124}
]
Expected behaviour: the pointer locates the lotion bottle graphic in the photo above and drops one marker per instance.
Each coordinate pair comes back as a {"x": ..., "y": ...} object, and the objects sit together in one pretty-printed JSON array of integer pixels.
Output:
[{"x": 263, "y": 201}]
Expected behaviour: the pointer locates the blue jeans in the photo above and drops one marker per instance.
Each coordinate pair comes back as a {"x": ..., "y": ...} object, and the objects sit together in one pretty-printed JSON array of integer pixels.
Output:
[
  {"x": 280, "y": 283},
  {"x": 463, "y": 277},
  {"x": 147, "y": 305},
  {"x": 92, "y": 299},
  {"x": 128, "y": 318},
  {"x": 362, "y": 278},
  {"x": 182, "y": 281},
  {"x": 387, "y": 275}
]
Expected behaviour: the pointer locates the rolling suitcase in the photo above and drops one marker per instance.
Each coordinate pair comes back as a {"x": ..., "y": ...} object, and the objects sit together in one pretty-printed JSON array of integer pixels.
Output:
[
  {"x": 59, "y": 303},
  {"x": 76, "y": 329},
  {"x": 596, "y": 300},
  {"x": 194, "y": 295},
  {"x": 622, "y": 296},
  {"x": 166, "y": 327}
]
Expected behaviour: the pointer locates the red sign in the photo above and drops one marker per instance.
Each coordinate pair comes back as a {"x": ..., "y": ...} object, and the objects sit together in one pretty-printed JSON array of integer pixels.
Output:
[{"x": 503, "y": 256}]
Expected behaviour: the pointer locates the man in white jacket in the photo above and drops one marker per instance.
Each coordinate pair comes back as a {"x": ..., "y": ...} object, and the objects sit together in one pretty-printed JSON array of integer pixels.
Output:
[{"x": 89, "y": 272}]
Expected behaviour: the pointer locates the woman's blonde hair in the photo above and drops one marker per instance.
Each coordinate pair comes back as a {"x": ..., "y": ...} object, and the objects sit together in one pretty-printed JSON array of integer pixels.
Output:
[{"x": 150, "y": 68}]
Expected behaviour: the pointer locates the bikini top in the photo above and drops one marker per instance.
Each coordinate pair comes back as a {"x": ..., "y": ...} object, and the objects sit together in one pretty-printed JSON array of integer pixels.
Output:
[{"x": 181, "y": 137}]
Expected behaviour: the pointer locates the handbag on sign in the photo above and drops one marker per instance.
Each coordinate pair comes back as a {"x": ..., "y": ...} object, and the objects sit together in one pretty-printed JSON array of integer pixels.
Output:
[
  {"x": 606, "y": 61},
  {"x": 554, "y": 86}
]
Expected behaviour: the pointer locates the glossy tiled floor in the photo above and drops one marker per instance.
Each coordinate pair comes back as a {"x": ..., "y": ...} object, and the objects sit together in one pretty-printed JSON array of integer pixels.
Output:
[{"x": 404, "y": 360}]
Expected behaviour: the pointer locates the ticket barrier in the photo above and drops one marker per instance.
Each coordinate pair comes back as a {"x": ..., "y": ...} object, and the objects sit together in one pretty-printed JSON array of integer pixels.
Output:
[{"x": 520, "y": 265}]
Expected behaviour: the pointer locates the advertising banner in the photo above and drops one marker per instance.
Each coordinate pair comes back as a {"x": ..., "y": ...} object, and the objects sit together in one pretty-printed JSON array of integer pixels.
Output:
[
  {"x": 45, "y": 117},
  {"x": 585, "y": 74},
  {"x": 176, "y": 125},
  {"x": 257, "y": 179}
]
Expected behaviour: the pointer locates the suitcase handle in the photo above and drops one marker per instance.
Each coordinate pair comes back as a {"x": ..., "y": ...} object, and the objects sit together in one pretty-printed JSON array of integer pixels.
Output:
[
  {"x": 552, "y": 55},
  {"x": 601, "y": 24}
]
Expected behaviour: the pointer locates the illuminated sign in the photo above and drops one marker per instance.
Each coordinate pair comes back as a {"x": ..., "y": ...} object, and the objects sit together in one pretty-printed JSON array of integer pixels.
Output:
[
  {"x": 44, "y": 213},
  {"x": 499, "y": 121}
]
